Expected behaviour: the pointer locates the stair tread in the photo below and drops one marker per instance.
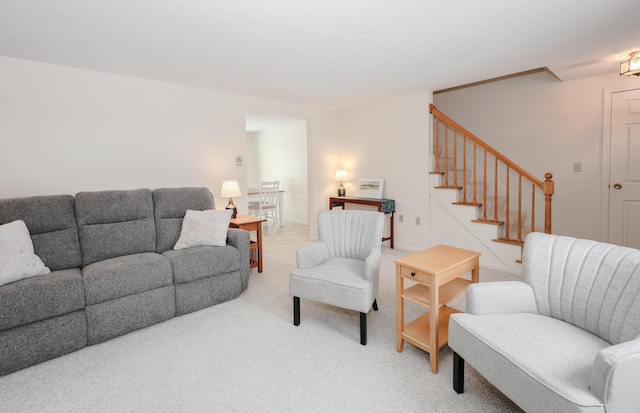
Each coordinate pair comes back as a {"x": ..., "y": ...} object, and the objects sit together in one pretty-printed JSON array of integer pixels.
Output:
[
  {"x": 448, "y": 187},
  {"x": 508, "y": 241},
  {"x": 477, "y": 204}
]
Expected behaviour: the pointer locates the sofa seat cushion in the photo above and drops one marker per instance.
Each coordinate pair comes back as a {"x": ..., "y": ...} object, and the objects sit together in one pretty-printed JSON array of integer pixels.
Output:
[
  {"x": 121, "y": 276},
  {"x": 41, "y": 297},
  {"x": 200, "y": 262},
  {"x": 541, "y": 363}
]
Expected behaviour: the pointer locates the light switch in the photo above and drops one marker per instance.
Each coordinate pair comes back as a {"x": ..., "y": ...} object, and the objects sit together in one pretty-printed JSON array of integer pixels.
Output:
[
  {"x": 239, "y": 160},
  {"x": 577, "y": 167}
]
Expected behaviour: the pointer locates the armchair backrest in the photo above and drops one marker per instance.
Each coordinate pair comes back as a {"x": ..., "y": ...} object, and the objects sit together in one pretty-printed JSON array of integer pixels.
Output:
[
  {"x": 592, "y": 285},
  {"x": 350, "y": 233}
]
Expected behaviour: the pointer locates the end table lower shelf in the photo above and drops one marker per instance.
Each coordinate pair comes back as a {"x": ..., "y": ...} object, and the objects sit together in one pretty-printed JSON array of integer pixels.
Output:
[
  {"x": 435, "y": 274},
  {"x": 251, "y": 223}
]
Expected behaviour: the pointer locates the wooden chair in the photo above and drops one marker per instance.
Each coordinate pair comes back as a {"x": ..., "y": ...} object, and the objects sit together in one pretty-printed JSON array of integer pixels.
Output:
[{"x": 268, "y": 203}]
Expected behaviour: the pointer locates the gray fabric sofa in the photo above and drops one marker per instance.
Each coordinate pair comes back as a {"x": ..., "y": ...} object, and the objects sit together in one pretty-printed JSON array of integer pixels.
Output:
[
  {"x": 567, "y": 338},
  {"x": 113, "y": 269}
]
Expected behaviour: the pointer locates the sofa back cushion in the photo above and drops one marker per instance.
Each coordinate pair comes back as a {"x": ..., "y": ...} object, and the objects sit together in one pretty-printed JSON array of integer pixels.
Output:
[
  {"x": 52, "y": 225},
  {"x": 170, "y": 205},
  {"x": 115, "y": 223},
  {"x": 592, "y": 285}
]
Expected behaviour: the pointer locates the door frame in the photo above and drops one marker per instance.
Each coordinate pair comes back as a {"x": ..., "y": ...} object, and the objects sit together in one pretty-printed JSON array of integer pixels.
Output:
[{"x": 606, "y": 158}]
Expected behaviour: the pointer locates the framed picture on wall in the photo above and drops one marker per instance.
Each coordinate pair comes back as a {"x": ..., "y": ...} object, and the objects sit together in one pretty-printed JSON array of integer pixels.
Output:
[{"x": 370, "y": 187}]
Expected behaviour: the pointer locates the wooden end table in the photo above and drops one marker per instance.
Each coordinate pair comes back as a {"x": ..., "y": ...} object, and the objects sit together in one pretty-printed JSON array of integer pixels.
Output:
[
  {"x": 251, "y": 223},
  {"x": 435, "y": 273}
]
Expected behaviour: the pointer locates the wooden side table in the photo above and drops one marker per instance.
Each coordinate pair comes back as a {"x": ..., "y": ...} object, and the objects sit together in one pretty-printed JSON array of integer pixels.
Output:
[
  {"x": 251, "y": 223},
  {"x": 435, "y": 273},
  {"x": 386, "y": 206}
]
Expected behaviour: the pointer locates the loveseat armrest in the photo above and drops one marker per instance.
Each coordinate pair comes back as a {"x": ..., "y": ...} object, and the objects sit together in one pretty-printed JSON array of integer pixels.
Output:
[
  {"x": 500, "y": 297},
  {"x": 312, "y": 255},
  {"x": 372, "y": 264},
  {"x": 615, "y": 376}
]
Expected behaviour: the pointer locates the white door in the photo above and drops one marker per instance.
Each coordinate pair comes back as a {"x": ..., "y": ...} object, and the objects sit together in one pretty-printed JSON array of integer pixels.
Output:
[{"x": 624, "y": 175}]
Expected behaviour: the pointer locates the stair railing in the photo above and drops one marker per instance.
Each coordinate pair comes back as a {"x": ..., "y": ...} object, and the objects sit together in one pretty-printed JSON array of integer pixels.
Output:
[{"x": 447, "y": 144}]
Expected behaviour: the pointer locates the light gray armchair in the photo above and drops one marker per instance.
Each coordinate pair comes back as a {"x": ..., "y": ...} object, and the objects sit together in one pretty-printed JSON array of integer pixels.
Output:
[
  {"x": 566, "y": 338},
  {"x": 342, "y": 268}
]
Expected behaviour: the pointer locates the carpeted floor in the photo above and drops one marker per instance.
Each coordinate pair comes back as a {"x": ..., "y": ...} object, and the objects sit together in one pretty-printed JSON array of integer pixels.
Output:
[{"x": 246, "y": 356}]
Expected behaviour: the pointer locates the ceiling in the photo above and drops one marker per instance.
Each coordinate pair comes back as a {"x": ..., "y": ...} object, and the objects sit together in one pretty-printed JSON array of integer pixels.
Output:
[{"x": 329, "y": 53}]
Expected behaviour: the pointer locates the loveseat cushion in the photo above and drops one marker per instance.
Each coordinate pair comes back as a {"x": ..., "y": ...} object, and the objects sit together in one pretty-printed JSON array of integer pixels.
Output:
[
  {"x": 200, "y": 262},
  {"x": 115, "y": 223},
  {"x": 170, "y": 206},
  {"x": 545, "y": 361},
  {"x": 51, "y": 221},
  {"x": 121, "y": 276},
  {"x": 41, "y": 297}
]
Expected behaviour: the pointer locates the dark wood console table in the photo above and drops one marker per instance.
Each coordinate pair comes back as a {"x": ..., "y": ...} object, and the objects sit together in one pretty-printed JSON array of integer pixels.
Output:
[{"x": 386, "y": 206}]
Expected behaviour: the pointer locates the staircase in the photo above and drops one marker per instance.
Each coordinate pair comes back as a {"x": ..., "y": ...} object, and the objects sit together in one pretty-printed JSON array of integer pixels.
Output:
[{"x": 492, "y": 202}]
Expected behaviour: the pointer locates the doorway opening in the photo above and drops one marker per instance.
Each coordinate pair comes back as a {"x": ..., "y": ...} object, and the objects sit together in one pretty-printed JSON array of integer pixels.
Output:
[{"x": 277, "y": 150}]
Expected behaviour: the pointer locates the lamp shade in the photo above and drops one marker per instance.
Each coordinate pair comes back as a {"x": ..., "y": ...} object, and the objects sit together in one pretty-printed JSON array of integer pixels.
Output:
[
  {"x": 341, "y": 175},
  {"x": 230, "y": 189}
]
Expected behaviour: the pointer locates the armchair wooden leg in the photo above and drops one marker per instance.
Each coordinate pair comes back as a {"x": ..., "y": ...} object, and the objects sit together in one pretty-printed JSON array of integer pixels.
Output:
[
  {"x": 363, "y": 329},
  {"x": 375, "y": 305},
  {"x": 296, "y": 311},
  {"x": 458, "y": 373}
]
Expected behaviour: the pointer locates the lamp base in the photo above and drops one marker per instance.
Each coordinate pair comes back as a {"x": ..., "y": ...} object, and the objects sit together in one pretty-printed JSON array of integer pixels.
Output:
[
  {"x": 230, "y": 205},
  {"x": 342, "y": 191}
]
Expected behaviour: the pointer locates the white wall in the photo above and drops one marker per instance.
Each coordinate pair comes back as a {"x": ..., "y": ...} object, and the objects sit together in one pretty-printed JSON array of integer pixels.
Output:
[
  {"x": 390, "y": 139},
  {"x": 545, "y": 125},
  {"x": 281, "y": 153},
  {"x": 65, "y": 130}
]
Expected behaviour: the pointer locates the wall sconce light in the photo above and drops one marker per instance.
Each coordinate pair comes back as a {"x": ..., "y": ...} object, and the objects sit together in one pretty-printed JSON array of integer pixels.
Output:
[
  {"x": 229, "y": 190},
  {"x": 341, "y": 176},
  {"x": 631, "y": 66}
]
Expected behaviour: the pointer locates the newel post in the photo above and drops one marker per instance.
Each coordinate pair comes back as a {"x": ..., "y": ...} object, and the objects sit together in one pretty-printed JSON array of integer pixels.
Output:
[{"x": 547, "y": 189}]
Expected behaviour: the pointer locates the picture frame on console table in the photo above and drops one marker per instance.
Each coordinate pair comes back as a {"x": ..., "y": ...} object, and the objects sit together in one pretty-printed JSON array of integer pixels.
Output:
[{"x": 370, "y": 187}]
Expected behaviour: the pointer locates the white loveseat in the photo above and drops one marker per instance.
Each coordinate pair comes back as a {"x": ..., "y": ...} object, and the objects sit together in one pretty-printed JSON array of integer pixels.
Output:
[{"x": 566, "y": 339}]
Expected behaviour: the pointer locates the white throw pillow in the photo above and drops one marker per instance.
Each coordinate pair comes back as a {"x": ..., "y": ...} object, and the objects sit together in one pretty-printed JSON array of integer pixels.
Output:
[
  {"x": 17, "y": 259},
  {"x": 204, "y": 228}
]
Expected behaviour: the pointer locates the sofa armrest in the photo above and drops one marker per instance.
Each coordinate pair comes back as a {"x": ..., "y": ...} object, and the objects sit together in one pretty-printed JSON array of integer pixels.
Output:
[
  {"x": 615, "y": 376},
  {"x": 239, "y": 239},
  {"x": 312, "y": 255},
  {"x": 500, "y": 297}
]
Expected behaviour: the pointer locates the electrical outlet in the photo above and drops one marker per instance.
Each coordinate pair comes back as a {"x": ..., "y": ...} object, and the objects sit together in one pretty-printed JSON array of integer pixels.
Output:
[
  {"x": 417, "y": 220},
  {"x": 401, "y": 218},
  {"x": 577, "y": 167},
  {"x": 239, "y": 160}
]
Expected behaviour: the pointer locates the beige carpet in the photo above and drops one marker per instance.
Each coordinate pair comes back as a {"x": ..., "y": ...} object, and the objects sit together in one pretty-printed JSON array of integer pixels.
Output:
[{"x": 246, "y": 356}]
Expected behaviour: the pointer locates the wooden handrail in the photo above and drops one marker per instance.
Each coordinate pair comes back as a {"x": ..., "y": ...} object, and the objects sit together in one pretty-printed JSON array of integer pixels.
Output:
[{"x": 546, "y": 187}]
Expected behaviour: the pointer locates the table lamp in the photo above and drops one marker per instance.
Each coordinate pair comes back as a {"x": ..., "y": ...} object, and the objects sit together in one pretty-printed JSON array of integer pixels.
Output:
[
  {"x": 341, "y": 176},
  {"x": 229, "y": 190}
]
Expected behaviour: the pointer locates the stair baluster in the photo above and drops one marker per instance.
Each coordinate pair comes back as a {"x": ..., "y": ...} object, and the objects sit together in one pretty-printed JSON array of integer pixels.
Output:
[{"x": 513, "y": 222}]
